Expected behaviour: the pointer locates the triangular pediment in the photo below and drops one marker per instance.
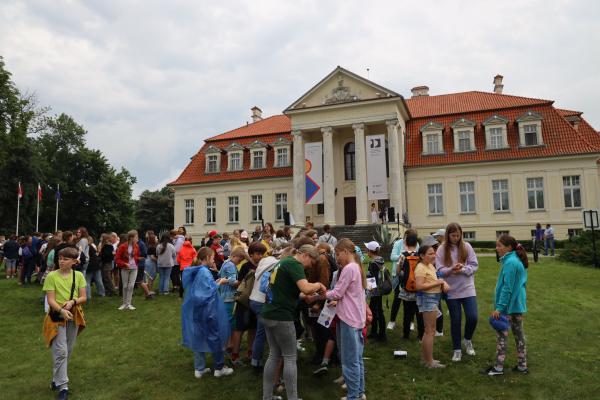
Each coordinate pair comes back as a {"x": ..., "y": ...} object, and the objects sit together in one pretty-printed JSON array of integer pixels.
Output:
[{"x": 341, "y": 86}]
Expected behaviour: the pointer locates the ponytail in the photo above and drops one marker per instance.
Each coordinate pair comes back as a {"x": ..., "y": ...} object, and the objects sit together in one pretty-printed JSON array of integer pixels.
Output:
[{"x": 511, "y": 242}]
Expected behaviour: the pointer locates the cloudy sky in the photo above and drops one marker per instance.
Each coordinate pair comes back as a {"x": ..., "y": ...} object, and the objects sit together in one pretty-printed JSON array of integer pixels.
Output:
[{"x": 150, "y": 80}]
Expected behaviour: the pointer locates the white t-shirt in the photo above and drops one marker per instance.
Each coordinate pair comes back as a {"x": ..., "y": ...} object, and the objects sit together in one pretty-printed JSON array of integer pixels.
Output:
[
  {"x": 549, "y": 232},
  {"x": 374, "y": 217},
  {"x": 263, "y": 265}
]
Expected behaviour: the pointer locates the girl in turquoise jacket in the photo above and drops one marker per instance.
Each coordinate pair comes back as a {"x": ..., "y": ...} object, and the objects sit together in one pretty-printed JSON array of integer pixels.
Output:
[{"x": 510, "y": 302}]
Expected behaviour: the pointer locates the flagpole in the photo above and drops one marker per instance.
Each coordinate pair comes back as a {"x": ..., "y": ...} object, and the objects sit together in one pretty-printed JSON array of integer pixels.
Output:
[
  {"x": 18, "y": 207},
  {"x": 37, "y": 217},
  {"x": 56, "y": 219}
]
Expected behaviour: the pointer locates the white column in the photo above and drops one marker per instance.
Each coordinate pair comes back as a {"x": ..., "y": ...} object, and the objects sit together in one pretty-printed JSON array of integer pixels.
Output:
[
  {"x": 396, "y": 166},
  {"x": 299, "y": 180},
  {"x": 361, "y": 174},
  {"x": 328, "y": 178}
]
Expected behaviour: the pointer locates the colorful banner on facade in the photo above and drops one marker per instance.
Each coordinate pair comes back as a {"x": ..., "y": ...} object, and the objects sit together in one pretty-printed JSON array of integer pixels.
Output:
[
  {"x": 376, "y": 174},
  {"x": 313, "y": 167}
]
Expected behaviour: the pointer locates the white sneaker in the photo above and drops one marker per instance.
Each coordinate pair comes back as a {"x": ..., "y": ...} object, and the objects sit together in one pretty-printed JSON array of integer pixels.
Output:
[
  {"x": 339, "y": 380},
  {"x": 299, "y": 345},
  {"x": 412, "y": 326},
  {"x": 363, "y": 397},
  {"x": 225, "y": 371},
  {"x": 199, "y": 374},
  {"x": 437, "y": 334},
  {"x": 469, "y": 347},
  {"x": 130, "y": 307},
  {"x": 391, "y": 325},
  {"x": 344, "y": 387},
  {"x": 122, "y": 307},
  {"x": 457, "y": 356}
]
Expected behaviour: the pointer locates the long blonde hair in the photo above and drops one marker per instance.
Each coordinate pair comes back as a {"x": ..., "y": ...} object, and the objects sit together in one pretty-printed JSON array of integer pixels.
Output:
[{"x": 350, "y": 247}]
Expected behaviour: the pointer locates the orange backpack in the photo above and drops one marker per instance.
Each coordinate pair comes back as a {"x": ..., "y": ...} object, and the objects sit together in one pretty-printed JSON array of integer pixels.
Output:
[{"x": 408, "y": 283}]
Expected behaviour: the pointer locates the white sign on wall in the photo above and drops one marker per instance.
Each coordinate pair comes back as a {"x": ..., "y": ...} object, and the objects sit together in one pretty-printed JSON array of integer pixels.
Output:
[
  {"x": 376, "y": 174},
  {"x": 313, "y": 170}
]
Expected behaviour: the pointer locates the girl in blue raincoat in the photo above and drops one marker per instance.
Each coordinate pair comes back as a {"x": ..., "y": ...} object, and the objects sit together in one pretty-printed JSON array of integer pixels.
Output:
[{"x": 204, "y": 324}]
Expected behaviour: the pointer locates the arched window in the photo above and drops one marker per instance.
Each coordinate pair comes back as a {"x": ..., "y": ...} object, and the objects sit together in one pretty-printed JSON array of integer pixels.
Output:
[{"x": 349, "y": 162}]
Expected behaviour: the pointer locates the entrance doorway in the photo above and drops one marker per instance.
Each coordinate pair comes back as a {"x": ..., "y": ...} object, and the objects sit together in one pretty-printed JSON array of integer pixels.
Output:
[{"x": 349, "y": 210}]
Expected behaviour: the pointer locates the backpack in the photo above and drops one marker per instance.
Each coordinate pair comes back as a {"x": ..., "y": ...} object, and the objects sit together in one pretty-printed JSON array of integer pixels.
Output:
[
  {"x": 244, "y": 290},
  {"x": 267, "y": 280},
  {"x": 411, "y": 259},
  {"x": 385, "y": 285}
]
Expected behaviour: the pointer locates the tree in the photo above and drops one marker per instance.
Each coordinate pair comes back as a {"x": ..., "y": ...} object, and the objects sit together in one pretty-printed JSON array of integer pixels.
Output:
[{"x": 154, "y": 210}]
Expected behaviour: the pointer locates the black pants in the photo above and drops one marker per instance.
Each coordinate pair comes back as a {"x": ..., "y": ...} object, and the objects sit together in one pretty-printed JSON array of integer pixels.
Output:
[
  {"x": 439, "y": 322},
  {"x": 410, "y": 310},
  {"x": 175, "y": 280},
  {"x": 395, "y": 304},
  {"x": 28, "y": 268},
  {"x": 378, "y": 324}
]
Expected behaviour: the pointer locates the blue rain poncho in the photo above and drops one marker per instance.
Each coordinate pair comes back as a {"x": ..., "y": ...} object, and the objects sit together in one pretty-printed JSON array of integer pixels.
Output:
[{"x": 204, "y": 322}]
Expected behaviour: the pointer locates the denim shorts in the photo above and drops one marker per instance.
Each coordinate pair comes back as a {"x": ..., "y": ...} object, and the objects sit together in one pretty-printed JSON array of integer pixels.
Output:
[{"x": 428, "y": 301}]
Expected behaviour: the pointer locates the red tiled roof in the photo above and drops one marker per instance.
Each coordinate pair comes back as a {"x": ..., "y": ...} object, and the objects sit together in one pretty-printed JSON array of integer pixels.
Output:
[
  {"x": 559, "y": 137},
  {"x": 267, "y": 126},
  {"x": 195, "y": 170},
  {"x": 460, "y": 103},
  {"x": 568, "y": 113}
]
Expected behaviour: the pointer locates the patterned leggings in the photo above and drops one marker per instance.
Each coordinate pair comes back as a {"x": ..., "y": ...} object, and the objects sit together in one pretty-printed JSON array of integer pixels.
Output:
[{"x": 516, "y": 324}]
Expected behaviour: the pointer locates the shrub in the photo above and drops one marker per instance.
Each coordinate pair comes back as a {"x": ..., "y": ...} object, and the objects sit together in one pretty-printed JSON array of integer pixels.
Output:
[{"x": 580, "y": 250}]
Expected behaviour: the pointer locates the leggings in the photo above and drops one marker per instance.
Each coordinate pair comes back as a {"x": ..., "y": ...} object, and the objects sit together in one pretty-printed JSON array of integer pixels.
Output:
[
  {"x": 516, "y": 325},
  {"x": 281, "y": 336},
  {"x": 395, "y": 304},
  {"x": 128, "y": 277},
  {"x": 378, "y": 324}
]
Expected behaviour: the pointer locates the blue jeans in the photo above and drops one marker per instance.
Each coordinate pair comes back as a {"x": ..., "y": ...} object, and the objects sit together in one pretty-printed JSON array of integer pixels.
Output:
[
  {"x": 200, "y": 360},
  {"x": 351, "y": 350},
  {"x": 163, "y": 283},
  {"x": 95, "y": 276},
  {"x": 548, "y": 244},
  {"x": 259, "y": 341},
  {"x": 151, "y": 267},
  {"x": 469, "y": 305}
]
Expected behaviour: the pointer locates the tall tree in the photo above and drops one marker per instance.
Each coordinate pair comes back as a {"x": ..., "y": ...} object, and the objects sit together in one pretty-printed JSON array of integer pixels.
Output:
[{"x": 154, "y": 210}]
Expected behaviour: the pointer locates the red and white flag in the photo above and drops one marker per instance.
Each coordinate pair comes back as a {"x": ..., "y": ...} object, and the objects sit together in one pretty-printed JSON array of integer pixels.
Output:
[
  {"x": 20, "y": 191},
  {"x": 39, "y": 192}
]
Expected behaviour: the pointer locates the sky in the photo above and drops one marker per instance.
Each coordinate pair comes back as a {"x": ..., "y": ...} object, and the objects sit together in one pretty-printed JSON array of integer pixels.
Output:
[{"x": 150, "y": 80}]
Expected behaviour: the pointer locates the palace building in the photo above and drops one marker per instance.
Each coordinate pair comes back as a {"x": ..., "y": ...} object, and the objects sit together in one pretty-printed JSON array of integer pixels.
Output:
[{"x": 493, "y": 162}]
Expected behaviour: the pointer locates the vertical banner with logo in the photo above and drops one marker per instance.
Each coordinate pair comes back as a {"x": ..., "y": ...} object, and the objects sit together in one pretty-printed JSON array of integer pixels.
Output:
[
  {"x": 313, "y": 167},
  {"x": 376, "y": 174}
]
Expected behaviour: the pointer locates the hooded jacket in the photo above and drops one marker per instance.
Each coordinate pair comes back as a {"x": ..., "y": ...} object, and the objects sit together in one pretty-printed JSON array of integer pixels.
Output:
[
  {"x": 186, "y": 255},
  {"x": 378, "y": 271}
]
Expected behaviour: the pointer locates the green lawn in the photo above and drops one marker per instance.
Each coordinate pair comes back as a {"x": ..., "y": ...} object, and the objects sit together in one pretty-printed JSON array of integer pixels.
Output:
[{"x": 137, "y": 355}]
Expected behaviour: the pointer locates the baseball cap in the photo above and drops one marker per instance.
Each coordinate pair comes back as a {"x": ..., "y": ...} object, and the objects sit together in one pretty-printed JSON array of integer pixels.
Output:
[
  {"x": 372, "y": 245},
  {"x": 439, "y": 232},
  {"x": 429, "y": 241},
  {"x": 500, "y": 324},
  {"x": 212, "y": 233},
  {"x": 244, "y": 235}
]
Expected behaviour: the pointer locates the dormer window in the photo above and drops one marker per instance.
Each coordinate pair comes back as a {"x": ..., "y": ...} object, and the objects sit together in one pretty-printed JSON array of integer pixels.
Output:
[
  {"x": 213, "y": 160},
  {"x": 258, "y": 155},
  {"x": 281, "y": 148},
  {"x": 432, "y": 138},
  {"x": 235, "y": 155},
  {"x": 530, "y": 129},
  {"x": 464, "y": 135},
  {"x": 495, "y": 133}
]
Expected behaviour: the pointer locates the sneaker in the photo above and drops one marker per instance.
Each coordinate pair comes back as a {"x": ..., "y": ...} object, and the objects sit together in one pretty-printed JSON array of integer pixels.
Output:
[
  {"x": 198, "y": 374},
  {"x": 53, "y": 386},
  {"x": 457, "y": 356},
  {"x": 469, "y": 346},
  {"x": 122, "y": 307},
  {"x": 63, "y": 394},
  {"x": 412, "y": 326},
  {"x": 130, "y": 307},
  {"x": 391, "y": 325},
  {"x": 344, "y": 387},
  {"x": 438, "y": 334},
  {"x": 299, "y": 345},
  {"x": 323, "y": 369},
  {"x": 225, "y": 371},
  {"x": 339, "y": 380},
  {"x": 363, "y": 397},
  {"x": 519, "y": 370},
  {"x": 492, "y": 371},
  {"x": 435, "y": 365},
  {"x": 150, "y": 296}
]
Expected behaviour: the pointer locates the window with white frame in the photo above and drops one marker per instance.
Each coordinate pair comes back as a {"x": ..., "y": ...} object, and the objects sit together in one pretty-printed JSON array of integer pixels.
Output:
[
  {"x": 258, "y": 159},
  {"x": 212, "y": 163},
  {"x": 496, "y": 138},
  {"x": 500, "y": 233},
  {"x": 464, "y": 140},
  {"x": 467, "y": 197},
  {"x": 235, "y": 161},
  {"x": 280, "y": 206},
  {"x": 431, "y": 134},
  {"x": 234, "y": 209},
  {"x": 211, "y": 210},
  {"x": 469, "y": 236},
  {"x": 282, "y": 157},
  {"x": 535, "y": 193},
  {"x": 256, "y": 205},
  {"x": 572, "y": 191},
  {"x": 500, "y": 194},
  {"x": 531, "y": 136},
  {"x": 435, "y": 197},
  {"x": 189, "y": 211},
  {"x": 433, "y": 143}
]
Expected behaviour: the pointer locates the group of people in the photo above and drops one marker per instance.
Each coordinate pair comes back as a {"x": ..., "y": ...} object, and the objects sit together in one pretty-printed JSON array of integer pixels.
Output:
[{"x": 276, "y": 288}]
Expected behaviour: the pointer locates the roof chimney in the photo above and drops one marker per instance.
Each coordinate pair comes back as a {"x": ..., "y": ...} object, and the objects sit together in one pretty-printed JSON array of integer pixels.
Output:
[
  {"x": 419, "y": 91},
  {"x": 256, "y": 114},
  {"x": 498, "y": 86}
]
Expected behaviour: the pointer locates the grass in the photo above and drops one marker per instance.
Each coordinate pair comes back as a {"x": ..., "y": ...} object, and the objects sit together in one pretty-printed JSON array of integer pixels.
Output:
[{"x": 137, "y": 355}]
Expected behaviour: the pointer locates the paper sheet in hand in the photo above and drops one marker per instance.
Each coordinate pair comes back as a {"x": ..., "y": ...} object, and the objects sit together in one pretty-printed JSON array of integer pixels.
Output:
[
  {"x": 371, "y": 283},
  {"x": 326, "y": 315}
]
